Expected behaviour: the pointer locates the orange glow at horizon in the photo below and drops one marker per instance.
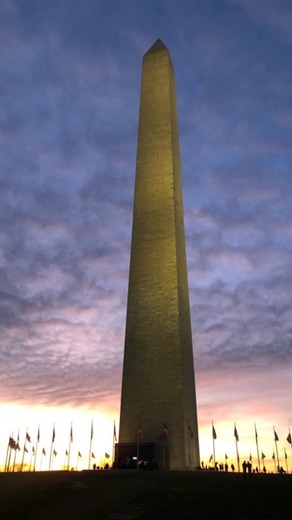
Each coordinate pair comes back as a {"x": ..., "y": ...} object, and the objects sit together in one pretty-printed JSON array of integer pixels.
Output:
[
  {"x": 19, "y": 419},
  {"x": 247, "y": 446}
]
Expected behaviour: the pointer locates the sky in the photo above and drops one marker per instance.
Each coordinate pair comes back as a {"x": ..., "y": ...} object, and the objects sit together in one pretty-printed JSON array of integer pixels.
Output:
[{"x": 70, "y": 86}]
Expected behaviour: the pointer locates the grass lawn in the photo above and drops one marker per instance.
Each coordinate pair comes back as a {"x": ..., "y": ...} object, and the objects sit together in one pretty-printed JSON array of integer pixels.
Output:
[{"x": 127, "y": 495}]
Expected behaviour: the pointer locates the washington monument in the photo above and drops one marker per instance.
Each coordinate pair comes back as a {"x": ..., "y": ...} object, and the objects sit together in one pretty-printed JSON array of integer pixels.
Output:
[{"x": 158, "y": 421}]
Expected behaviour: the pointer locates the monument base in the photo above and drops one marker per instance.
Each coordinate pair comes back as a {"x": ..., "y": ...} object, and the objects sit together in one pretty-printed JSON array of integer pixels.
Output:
[{"x": 142, "y": 455}]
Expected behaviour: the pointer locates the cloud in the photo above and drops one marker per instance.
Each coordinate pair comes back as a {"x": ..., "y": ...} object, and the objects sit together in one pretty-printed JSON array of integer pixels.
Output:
[
  {"x": 246, "y": 393},
  {"x": 70, "y": 88},
  {"x": 273, "y": 16}
]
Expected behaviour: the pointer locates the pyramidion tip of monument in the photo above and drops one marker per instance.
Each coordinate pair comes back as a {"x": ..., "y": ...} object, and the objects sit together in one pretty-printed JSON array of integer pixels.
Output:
[{"x": 157, "y": 46}]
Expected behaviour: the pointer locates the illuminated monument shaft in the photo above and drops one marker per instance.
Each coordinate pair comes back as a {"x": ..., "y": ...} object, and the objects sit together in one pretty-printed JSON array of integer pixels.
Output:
[{"x": 158, "y": 376}]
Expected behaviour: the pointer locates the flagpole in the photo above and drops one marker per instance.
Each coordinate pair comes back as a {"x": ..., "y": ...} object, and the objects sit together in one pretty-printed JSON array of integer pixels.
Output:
[
  {"x": 10, "y": 447},
  {"x": 258, "y": 453},
  {"x": 237, "y": 455},
  {"x": 24, "y": 448},
  {"x": 275, "y": 439},
  {"x": 53, "y": 439},
  {"x": 236, "y": 446},
  {"x": 7, "y": 453},
  {"x": 17, "y": 448},
  {"x": 54, "y": 455},
  {"x": 90, "y": 444},
  {"x": 274, "y": 459},
  {"x": 14, "y": 460},
  {"x": 30, "y": 462},
  {"x": 263, "y": 459},
  {"x": 36, "y": 447},
  {"x": 50, "y": 459},
  {"x": 114, "y": 454},
  {"x": 9, "y": 457},
  {"x": 69, "y": 450},
  {"x": 213, "y": 437},
  {"x": 289, "y": 440},
  {"x": 286, "y": 460},
  {"x": 77, "y": 461}
]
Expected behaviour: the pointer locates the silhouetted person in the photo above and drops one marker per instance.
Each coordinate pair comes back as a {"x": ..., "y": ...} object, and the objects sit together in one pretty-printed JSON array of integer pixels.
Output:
[
  {"x": 249, "y": 467},
  {"x": 264, "y": 469},
  {"x": 244, "y": 466},
  {"x": 232, "y": 467},
  {"x": 226, "y": 466}
]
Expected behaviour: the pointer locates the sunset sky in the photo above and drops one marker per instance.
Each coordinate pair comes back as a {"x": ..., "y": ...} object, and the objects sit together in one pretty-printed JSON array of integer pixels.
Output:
[{"x": 70, "y": 86}]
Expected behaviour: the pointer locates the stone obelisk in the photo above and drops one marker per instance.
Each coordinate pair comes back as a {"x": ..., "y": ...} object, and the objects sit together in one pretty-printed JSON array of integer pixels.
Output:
[{"x": 158, "y": 421}]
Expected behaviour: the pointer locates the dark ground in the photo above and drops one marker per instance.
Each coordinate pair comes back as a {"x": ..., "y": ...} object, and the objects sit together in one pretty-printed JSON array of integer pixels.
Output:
[{"x": 126, "y": 495}]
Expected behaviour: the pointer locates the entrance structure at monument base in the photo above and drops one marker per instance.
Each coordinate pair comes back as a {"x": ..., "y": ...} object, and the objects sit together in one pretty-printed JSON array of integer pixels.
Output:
[{"x": 143, "y": 456}]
